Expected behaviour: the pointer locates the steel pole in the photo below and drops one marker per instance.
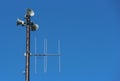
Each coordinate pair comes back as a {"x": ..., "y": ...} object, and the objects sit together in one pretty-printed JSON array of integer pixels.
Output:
[{"x": 27, "y": 73}]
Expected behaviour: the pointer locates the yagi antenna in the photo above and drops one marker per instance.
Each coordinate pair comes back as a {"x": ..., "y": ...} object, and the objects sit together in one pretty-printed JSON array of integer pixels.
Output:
[{"x": 45, "y": 55}]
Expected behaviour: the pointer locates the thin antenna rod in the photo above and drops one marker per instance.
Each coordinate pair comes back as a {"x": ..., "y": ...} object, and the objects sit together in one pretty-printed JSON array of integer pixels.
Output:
[
  {"x": 35, "y": 58},
  {"x": 59, "y": 64},
  {"x": 59, "y": 56},
  {"x": 45, "y": 57}
]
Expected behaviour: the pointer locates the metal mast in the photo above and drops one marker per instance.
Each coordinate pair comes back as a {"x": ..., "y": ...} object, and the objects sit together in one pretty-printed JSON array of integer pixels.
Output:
[
  {"x": 27, "y": 73},
  {"x": 30, "y": 26}
]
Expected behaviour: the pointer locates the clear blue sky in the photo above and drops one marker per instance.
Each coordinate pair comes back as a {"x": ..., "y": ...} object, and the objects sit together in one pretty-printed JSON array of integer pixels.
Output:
[{"x": 89, "y": 31}]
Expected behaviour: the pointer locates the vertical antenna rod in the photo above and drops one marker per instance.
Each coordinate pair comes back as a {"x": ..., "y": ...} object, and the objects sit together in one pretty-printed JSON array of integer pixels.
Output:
[
  {"x": 59, "y": 56},
  {"x": 35, "y": 57},
  {"x": 45, "y": 57}
]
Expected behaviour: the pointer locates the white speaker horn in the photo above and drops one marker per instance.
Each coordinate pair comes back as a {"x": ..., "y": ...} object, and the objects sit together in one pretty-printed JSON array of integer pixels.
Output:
[
  {"x": 20, "y": 22},
  {"x": 34, "y": 27},
  {"x": 30, "y": 12}
]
